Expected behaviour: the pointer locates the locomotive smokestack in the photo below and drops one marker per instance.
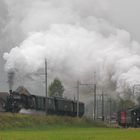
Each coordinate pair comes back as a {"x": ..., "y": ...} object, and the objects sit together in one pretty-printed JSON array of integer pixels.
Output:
[
  {"x": 11, "y": 80},
  {"x": 10, "y": 91}
]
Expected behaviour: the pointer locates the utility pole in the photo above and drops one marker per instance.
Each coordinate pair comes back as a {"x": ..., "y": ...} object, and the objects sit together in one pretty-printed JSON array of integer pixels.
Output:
[
  {"x": 110, "y": 102},
  {"x": 102, "y": 105},
  {"x": 46, "y": 84},
  {"x": 78, "y": 83},
  {"x": 94, "y": 110},
  {"x": 97, "y": 106}
]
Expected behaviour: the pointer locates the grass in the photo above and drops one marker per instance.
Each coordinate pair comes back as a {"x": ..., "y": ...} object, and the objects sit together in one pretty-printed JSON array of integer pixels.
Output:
[
  {"x": 71, "y": 133},
  {"x": 29, "y": 127},
  {"x": 10, "y": 121}
]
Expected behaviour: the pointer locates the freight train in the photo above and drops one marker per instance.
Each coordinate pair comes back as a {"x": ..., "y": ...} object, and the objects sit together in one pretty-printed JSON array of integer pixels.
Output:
[
  {"x": 16, "y": 101},
  {"x": 129, "y": 117}
]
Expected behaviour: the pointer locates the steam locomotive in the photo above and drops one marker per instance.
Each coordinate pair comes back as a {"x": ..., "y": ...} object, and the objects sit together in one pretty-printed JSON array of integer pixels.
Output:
[
  {"x": 129, "y": 117},
  {"x": 16, "y": 101}
]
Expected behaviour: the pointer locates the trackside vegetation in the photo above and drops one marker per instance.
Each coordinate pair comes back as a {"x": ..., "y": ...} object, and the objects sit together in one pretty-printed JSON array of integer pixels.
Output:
[
  {"x": 37, "y": 127},
  {"x": 9, "y": 120}
]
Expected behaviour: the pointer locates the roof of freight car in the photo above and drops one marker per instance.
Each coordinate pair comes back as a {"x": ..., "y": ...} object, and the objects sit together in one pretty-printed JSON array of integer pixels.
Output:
[{"x": 23, "y": 91}]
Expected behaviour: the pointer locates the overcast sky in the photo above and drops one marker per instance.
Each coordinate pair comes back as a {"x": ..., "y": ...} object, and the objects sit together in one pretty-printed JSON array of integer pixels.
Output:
[{"x": 125, "y": 13}]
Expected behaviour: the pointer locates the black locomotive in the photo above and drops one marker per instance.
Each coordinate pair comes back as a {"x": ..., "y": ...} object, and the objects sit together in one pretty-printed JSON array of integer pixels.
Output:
[
  {"x": 129, "y": 117},
  {"x": 54, "y": 105}
]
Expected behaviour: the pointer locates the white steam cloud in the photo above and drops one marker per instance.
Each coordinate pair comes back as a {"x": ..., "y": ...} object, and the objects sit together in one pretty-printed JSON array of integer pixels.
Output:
[{"x": 76, "y": 43}]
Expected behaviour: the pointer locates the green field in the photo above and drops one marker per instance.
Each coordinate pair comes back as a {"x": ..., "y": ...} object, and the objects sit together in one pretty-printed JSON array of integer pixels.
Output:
[
  {"x": 39, "y": 127},
  {"x": 71, "y": 133}
]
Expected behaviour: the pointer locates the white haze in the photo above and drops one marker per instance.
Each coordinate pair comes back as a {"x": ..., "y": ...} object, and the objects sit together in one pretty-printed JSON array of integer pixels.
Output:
[{"x": 76, "y": 44}]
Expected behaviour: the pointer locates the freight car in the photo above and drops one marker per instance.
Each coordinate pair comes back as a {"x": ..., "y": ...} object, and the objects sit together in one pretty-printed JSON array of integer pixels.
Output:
[
  {"x": 129, "y": 117},
  {"x": 59, "y": 106}
]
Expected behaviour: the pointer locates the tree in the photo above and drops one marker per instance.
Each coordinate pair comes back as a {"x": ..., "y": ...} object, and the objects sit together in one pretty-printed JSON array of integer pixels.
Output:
[
  {"x": 138, "y": 99},
  {"x": 123, "y": 104},
  {"x": 56, "y": 88}
]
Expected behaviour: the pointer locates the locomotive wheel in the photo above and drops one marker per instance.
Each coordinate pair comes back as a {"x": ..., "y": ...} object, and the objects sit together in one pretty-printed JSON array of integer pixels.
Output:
[{"x": 16, "y": 107}]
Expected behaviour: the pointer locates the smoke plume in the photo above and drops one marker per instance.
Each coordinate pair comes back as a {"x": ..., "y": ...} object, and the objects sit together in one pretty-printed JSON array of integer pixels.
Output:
[
  {"x": 76, "y": 43},
  {"x": 11, "y": 75}
]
